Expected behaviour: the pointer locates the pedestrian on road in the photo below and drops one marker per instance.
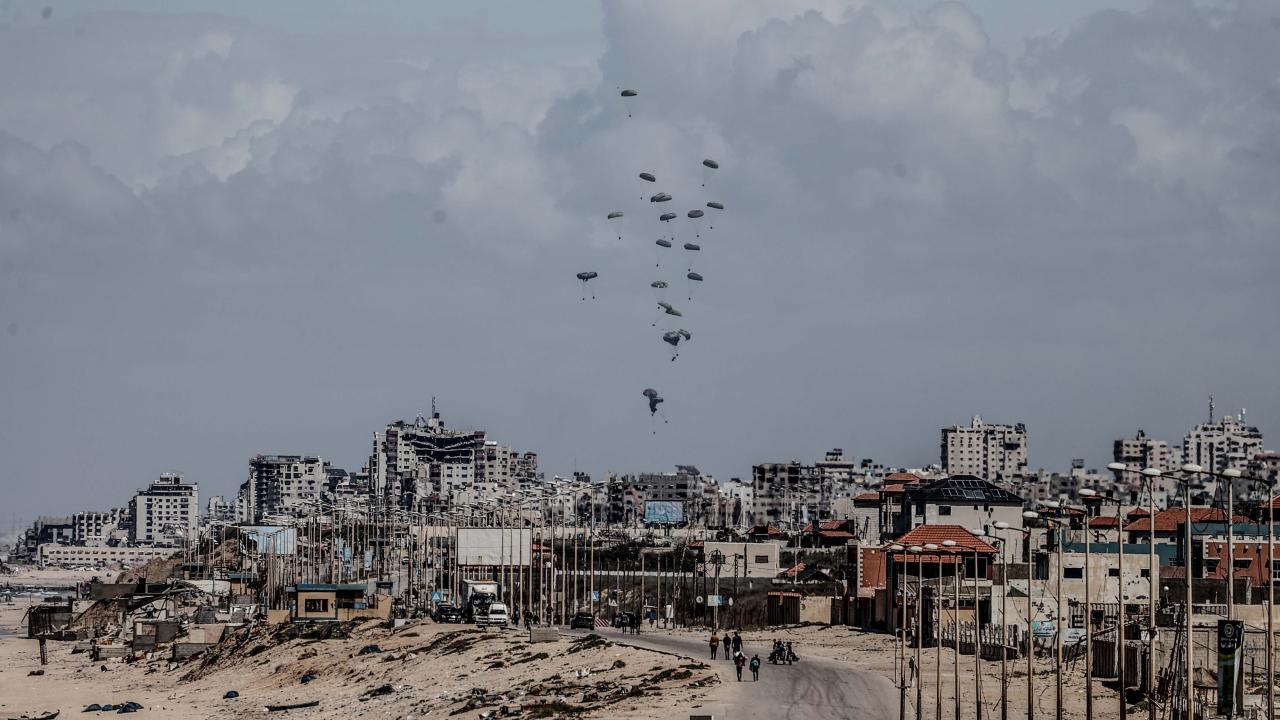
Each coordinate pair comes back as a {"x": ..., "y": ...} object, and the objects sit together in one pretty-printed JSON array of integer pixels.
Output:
[
  {"x": 737, "y": 642},
  {"x": 635, "y": 624},
  {"x": 755, "y": 668},
  {"x": 715, "y": 643},
  {"x": 738, "y": 661}
]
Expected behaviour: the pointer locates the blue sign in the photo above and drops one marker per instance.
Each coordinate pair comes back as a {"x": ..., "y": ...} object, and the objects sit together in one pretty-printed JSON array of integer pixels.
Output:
[{"x": 667, "y": 512}]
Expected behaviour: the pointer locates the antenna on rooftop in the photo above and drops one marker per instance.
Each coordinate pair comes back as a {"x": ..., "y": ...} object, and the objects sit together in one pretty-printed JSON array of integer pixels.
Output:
[
  {"x": 436, "y": 414},
  {"x": 1210, "y": 407}
]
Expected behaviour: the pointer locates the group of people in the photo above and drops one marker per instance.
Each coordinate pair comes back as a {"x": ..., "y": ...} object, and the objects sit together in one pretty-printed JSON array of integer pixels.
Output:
[{"x": 733, "y": 651}]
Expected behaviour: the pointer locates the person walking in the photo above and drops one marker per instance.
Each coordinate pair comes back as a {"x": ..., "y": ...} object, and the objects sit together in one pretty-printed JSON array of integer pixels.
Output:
[
  {"x": 736, "y": 642},
  {"x": 755, "y": 668},
  {"x": 738, "y": 661},
  {"x": 715, "y": 643},
  {"x": 635, "y": 624}
]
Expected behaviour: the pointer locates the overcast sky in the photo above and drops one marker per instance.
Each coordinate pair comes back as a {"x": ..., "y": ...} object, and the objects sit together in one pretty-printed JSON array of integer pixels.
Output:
[{"x": 238, "y": 227}]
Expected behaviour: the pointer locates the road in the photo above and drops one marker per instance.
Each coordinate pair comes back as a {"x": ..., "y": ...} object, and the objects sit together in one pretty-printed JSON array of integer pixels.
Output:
[{"x": 812, "y": 689}]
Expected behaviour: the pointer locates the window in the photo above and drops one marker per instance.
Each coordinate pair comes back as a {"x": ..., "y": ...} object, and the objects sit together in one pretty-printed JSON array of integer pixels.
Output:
[
  {"x": 1146, "y": 573},
  {"x": 1113, "y": 572},
  {"x": 316, "y": 605},
  {"x": 944, "y": 509},
  {"x": 1072, "y": 573},
  {"x": 762, "y": 559}
]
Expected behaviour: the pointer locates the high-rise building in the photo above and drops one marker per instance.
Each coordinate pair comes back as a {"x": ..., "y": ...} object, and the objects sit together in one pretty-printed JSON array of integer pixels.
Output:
[
  {"x": 1225, "y": 444},
  {"x": 282, "y": 486},
  {"x": 1140, "y": 452},
  {"x": 96, "y": 528},
  {"x": 840, "y": 473},
  {"x": 167, "y": 513},
  {"x": 992, "y": 452},
  {"x": 416, "y": 464}
]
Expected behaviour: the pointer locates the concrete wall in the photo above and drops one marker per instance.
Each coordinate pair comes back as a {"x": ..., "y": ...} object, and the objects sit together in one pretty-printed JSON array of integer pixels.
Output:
[{"x": 761, "y": 559}]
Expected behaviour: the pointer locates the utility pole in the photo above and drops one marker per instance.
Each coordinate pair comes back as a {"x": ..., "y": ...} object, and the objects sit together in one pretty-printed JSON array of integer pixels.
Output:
[
  {"x": 977, "y": 638},
  {"x": 1191, "y": 687}
]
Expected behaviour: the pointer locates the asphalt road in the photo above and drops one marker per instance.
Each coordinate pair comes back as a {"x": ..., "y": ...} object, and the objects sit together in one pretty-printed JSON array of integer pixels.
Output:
[{"x": 811, "y": 689}]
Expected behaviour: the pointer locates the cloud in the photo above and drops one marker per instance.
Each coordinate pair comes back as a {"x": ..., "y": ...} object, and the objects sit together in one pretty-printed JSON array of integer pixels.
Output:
[{"x": 218, "y": 239}]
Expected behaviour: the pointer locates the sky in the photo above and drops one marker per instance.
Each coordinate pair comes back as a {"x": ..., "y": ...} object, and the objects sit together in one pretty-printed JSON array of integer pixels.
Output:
[{"x": 237, "y": 228}]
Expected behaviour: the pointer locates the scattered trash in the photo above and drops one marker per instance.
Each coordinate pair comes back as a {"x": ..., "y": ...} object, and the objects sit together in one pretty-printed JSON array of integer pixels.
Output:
[
  {"x": 308, "y": 678},
  {"x": 35, "y": 672},
  {"x": 384, "y": 689},
  {"x": 92, "y": 707},
  {"x": 230, "y": 694},
  {"x": 369, "y": 650}
]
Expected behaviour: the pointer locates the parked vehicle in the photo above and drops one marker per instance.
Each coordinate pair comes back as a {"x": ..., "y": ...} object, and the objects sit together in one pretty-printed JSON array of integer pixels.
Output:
[
  {"x": 446, "y": 613},
  {"x": 476, "y": 597},
  {"x": 496, "y": 615},
  {"x": 582, "y": 620}
]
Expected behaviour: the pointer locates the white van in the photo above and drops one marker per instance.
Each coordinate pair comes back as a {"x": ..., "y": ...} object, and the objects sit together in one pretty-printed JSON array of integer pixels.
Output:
[{"x": 497, "y": 615}]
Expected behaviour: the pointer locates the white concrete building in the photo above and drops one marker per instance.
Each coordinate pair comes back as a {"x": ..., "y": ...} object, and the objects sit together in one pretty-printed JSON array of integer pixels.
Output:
[
  {"x": 754, "y": 560},
  {"x": 52, "y": 555},
  {"x": 994, "y": 452},
  {"x": 167, "y": 513},
  {"x": 96, "y": 528},
  {"x": 1227, "y": 443}
]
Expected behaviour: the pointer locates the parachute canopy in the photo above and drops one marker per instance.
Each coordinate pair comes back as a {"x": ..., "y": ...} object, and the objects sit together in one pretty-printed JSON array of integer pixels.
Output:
[
  {"x": 666, "y": 217},
  {"x": 660, "y": 197},
  {"x": 691, "y": 246},
  {"x": 715, "y": 205},
  {"x": 674, "y": 337},
  {"x": 694, "y": 276},
  {"x": 648, "y": 176},
  {"x": 658, "y": 284},
  {"x": 615, "y": 214},
  {"x": 711, "y": 164},
  {"x": 631, "y": 93},
  {"x": 589, "y": 275},
  {"x": 693, "y": 214},
  {"x": 669, "y": 309},
  {"x": 663, "y": 242},
  {"x": 654, "y": 399}
]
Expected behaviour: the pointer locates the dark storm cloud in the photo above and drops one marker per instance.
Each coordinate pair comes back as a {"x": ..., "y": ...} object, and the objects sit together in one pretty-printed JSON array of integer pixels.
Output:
[{"x": 222, "y": 240}]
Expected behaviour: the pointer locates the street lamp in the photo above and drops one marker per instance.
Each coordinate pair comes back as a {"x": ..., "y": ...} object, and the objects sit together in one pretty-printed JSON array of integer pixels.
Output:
[
  {"x": 1031, "y": 613},
  {"x": 1056, "y": 523},
  {"x": 955, "y": 624},
  {"x": 1004, "y": 621},
  {"x": 937, "y": 666},
  {"x": 900, "y": 644},
  {"x": 916, "y": 550}
]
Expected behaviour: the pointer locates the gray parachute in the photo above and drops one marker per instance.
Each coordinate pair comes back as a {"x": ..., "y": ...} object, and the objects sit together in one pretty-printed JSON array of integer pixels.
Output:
[
  {"x": 694, "y": 276},
  {"x": 589, "y": 275},
  {"x": 667, "y": 217},
  {"x": 669, "y": 309},
  {"x": 648, "y": 177},
  {"x": 663, "y": 242},
  {"x": 712, "y": 164},
  {"x": 693, "y": 214},
  {"x": 674, "y": 337},
  {"x": 660, "y": 197},
  {"x": 660, "y": 284},
  {"x": 633, "y": 93},
  {"x": 654, "y": 399},
  {"x": 708, "y": 166},
  {"x": 692, "y": 247},
  {"x": 715, "y": 205},
  {"x": 614, "y": 214}
]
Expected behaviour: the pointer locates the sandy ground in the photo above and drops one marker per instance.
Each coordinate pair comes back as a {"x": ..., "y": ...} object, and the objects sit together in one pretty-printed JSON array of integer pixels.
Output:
[
  {"x": 437, "y": 670},
  {"x": 30, "y": 576}
]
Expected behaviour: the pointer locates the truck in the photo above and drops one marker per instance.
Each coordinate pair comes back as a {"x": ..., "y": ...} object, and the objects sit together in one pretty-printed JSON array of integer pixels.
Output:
[{"x": 476, "y": 596}]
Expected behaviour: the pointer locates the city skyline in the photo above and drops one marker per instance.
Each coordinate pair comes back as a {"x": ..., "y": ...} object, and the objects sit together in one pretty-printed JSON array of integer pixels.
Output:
[{"x": 274, "y": 233}]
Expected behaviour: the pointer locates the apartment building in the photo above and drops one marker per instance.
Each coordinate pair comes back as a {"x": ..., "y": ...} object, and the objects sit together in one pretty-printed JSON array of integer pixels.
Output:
[
  {"x": 994, "y": 452},
  {"x": 166, "y": 513}
]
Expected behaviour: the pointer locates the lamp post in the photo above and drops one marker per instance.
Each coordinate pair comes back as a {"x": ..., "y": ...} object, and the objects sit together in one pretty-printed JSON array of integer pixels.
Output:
[
  {"x": 1056, "y": 524},
  {"x": 1031, "y": 613},
  {"x": 1153, "y": 581},
  {"x": 1004, "y": 622},
  {"x": 955, "y": 624},
  {"x": 1091, "y": 495},
  {"x": 900, "y": 643},
  {"x": 917, "y": 550},
  {"x": 977, "y": 633},
  {"x": 937, "y": 658}
]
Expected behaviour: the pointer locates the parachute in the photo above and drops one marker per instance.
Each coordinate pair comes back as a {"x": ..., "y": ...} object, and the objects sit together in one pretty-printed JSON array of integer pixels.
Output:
[
  {"x": 708, "y": 165},
  {"x": 654, "y": 400},
  {"x": 692, "y": 247},
  {"x": 660, "y": 197},
  {"x": 663, "y": 242},
  {"x": 585, "y": 277},
  {"x": 667, "y": 217},
  {"x": 673, "y": 339},
  {"x": 633, "y": 93},
  {"x": 626, "y": 102},
  {"x": 660, "y": 284},
  {"x": 614, "y": 214},
  {"x": 648, "y": 177},
  {"x": 694, "y": 214},
  {"x": 669, "y": 309},
  {"x": 692, "y": 277},
  {"x": 715, "y": 205},
  {"x": 696, "y": 217}
]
